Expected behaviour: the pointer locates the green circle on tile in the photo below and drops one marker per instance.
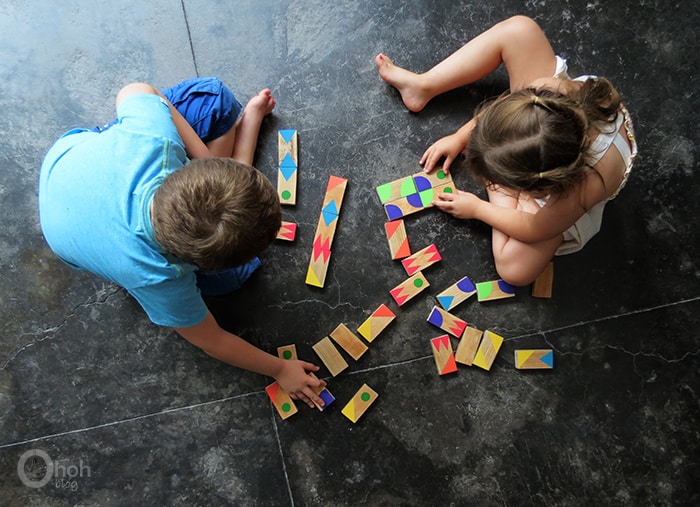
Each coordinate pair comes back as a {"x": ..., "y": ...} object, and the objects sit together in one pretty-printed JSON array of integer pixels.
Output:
[
  {"x": 286, "y": 407},
  {"x": 448, "y": 190},
  {"x": 287, "y": 354},
  {"x": 286, "y": 195},
  {"x": 364, "y": 396},
  {"x": 418, "y": 283},
  {"x": 441, "y": 175}
]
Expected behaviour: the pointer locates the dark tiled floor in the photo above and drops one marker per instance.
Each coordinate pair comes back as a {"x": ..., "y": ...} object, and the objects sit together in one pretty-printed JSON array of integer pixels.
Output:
[{"x": 139, "y": 417}]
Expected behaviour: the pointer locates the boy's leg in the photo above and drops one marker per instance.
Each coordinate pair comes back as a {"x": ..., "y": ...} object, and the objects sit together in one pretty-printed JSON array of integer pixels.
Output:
[
  {"x": 240, "y": 142},
  {"x": 225, "y": 281},
  {"x": 518, "y": 42},
  {"x": 519, "y": 263}
]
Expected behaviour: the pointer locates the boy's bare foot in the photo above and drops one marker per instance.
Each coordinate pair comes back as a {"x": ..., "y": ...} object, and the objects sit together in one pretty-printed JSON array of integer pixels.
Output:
[
  {"x": 261, "y": 105},
  {"x": 405, "y": 81}
]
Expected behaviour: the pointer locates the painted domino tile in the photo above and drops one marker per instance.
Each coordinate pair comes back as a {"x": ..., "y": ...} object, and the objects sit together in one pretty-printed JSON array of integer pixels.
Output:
[
  {"x": 537, "y": 359},
  {"x": 281, "y": 400},
  {"x": 486, "y": 354},
  {"x": 433, "y": 179},
  {"x": 322, "y": 393},
  {"x": 330, "y": 356},
  {"x": 444, "y": 357},
  {"x": 359, "y": 403},
  {"x": 287, "y": 232},
  {"x": 403, "y": 207},
  {"x": 496, "y": 289},
  {"x": 421, "y": 260},
  {"x": 349, "y": 341},
  {"x": 542, "y": 286},
  {"x": 318, "y": 265},
  {"x": 409, "y": 288},
  {"x": 468, "y": 345},
  {"x": 447, "y": 322},
  {"x": 318, "y": 269},
  {"x": 288, "y": 165},
  {"x": 376, "y": 323},
  {"x": 427, "y": 196},
  {"x": 396, "y": 189},
  {"x": 335, "y": 191},
  {"x": 398, "y": 241},
  {"x": 456, "y": 293},
  {"x": 287, "y": 352}
]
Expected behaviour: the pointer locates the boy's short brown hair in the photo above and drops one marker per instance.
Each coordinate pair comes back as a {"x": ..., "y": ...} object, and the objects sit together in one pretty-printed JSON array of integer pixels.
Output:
[{"x": 216, "y": 213}]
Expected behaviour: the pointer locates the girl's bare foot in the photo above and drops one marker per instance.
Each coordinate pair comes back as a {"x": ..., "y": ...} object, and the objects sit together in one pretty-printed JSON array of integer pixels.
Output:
[{"x": 406, "y": 82}]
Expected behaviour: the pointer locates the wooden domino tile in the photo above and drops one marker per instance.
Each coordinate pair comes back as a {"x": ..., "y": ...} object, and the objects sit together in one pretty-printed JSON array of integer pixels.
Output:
[
  {"x": 335, "y": 191},
  {"x": 325, "y": 231},
  {"x": 349, "y": 341},
  {"x": 287, "y": 352},
  {"x": 542, "y": 286},
  {"x": 281, "y": 400},
  {"x": 486, "y": 354},
  {"x": 288, "y": 166},
  {"x": 496, "y": 289},
  {"x": 396, "y": 189},
  {"x": 536, "y": 359},
  {"x": 468, "y": 345},
  {"x": 287, "y": 232},
  {"x": 403, "y": 207},
  {"x": 359, "y": 403},
  {"x": 447, "y": 322},
  {"x": 456, "y": 293},
  {"x": 421, "y": 260},
  {"x": 433, "y": 179},
  {"x": 330, "y": 356},
  {"x": 318, "y": 265},
  {"x": 376, "y": 323},
  {"x": 398, "y": 241},
  {"x": 444, "y": 357},
  {"x": 322, "y": 393},
  {"x": 409, "y": 288}
]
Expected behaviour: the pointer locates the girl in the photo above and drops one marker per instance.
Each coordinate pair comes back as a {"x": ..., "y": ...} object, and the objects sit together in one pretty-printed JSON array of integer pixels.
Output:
[{"x": 541, "y": 150}]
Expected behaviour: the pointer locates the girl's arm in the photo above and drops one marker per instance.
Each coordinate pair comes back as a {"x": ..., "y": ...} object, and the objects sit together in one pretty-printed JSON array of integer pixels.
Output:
[
  {"x": 194, "y": 146},
  {"x": 548, "y": 222},
  {"x": 448, "y": 147}
]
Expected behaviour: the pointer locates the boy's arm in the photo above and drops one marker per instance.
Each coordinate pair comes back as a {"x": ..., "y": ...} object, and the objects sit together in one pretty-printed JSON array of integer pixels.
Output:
[
  {"x": 194, "y": 146},
  {"x": 234, "y": 350},
  {"x": 548, "y": 222}
]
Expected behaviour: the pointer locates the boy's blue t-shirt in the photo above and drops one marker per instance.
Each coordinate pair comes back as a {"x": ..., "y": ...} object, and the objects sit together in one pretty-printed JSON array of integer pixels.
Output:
[{"x": 95, "y": 192}]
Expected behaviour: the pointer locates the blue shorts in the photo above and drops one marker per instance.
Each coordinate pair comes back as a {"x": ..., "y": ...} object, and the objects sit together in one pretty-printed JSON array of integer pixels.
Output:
[{"x": 207, "y": 105}]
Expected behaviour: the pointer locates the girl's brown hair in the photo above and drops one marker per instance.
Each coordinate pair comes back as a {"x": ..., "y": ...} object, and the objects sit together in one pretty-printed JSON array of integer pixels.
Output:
[
  {"x": 216, "y": 213},
  {"x": 536, "y": 140}
]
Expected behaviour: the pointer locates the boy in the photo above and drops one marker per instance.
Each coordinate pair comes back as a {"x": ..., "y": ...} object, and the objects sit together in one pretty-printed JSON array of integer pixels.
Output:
[{"x": 124, "y": 202}]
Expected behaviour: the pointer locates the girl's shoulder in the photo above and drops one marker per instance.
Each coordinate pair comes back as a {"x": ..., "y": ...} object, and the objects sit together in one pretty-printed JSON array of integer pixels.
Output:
[{"x": 556, "y": 84}]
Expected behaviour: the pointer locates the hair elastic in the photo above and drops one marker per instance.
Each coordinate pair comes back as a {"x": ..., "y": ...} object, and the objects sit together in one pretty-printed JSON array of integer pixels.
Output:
[
  {"x": 535, "y": 99},
  {"x": 540, "y": 175}
]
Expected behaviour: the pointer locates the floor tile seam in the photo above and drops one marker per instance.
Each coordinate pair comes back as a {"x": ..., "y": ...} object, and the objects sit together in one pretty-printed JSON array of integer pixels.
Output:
[
  {"x": 282, "y": 457},
  {"x": 189, "y": 37},
  {"x": 603, "y": 319},
  {"x": 129, "y": 419}
]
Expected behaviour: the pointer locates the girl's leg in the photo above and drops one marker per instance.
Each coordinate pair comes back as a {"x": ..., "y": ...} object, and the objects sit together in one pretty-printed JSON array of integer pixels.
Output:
[
  {"x": 240, "y": 142},
  {"x": 519, "y": 263},
  {"x": 518, "y": 42}
]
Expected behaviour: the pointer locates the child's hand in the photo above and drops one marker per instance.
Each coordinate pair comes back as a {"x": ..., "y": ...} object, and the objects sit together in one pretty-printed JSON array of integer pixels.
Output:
[
  {"x": 295, "y": 381},
  {"x": 460, "y": 204},
  {"x": 448, "y": 147}
]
